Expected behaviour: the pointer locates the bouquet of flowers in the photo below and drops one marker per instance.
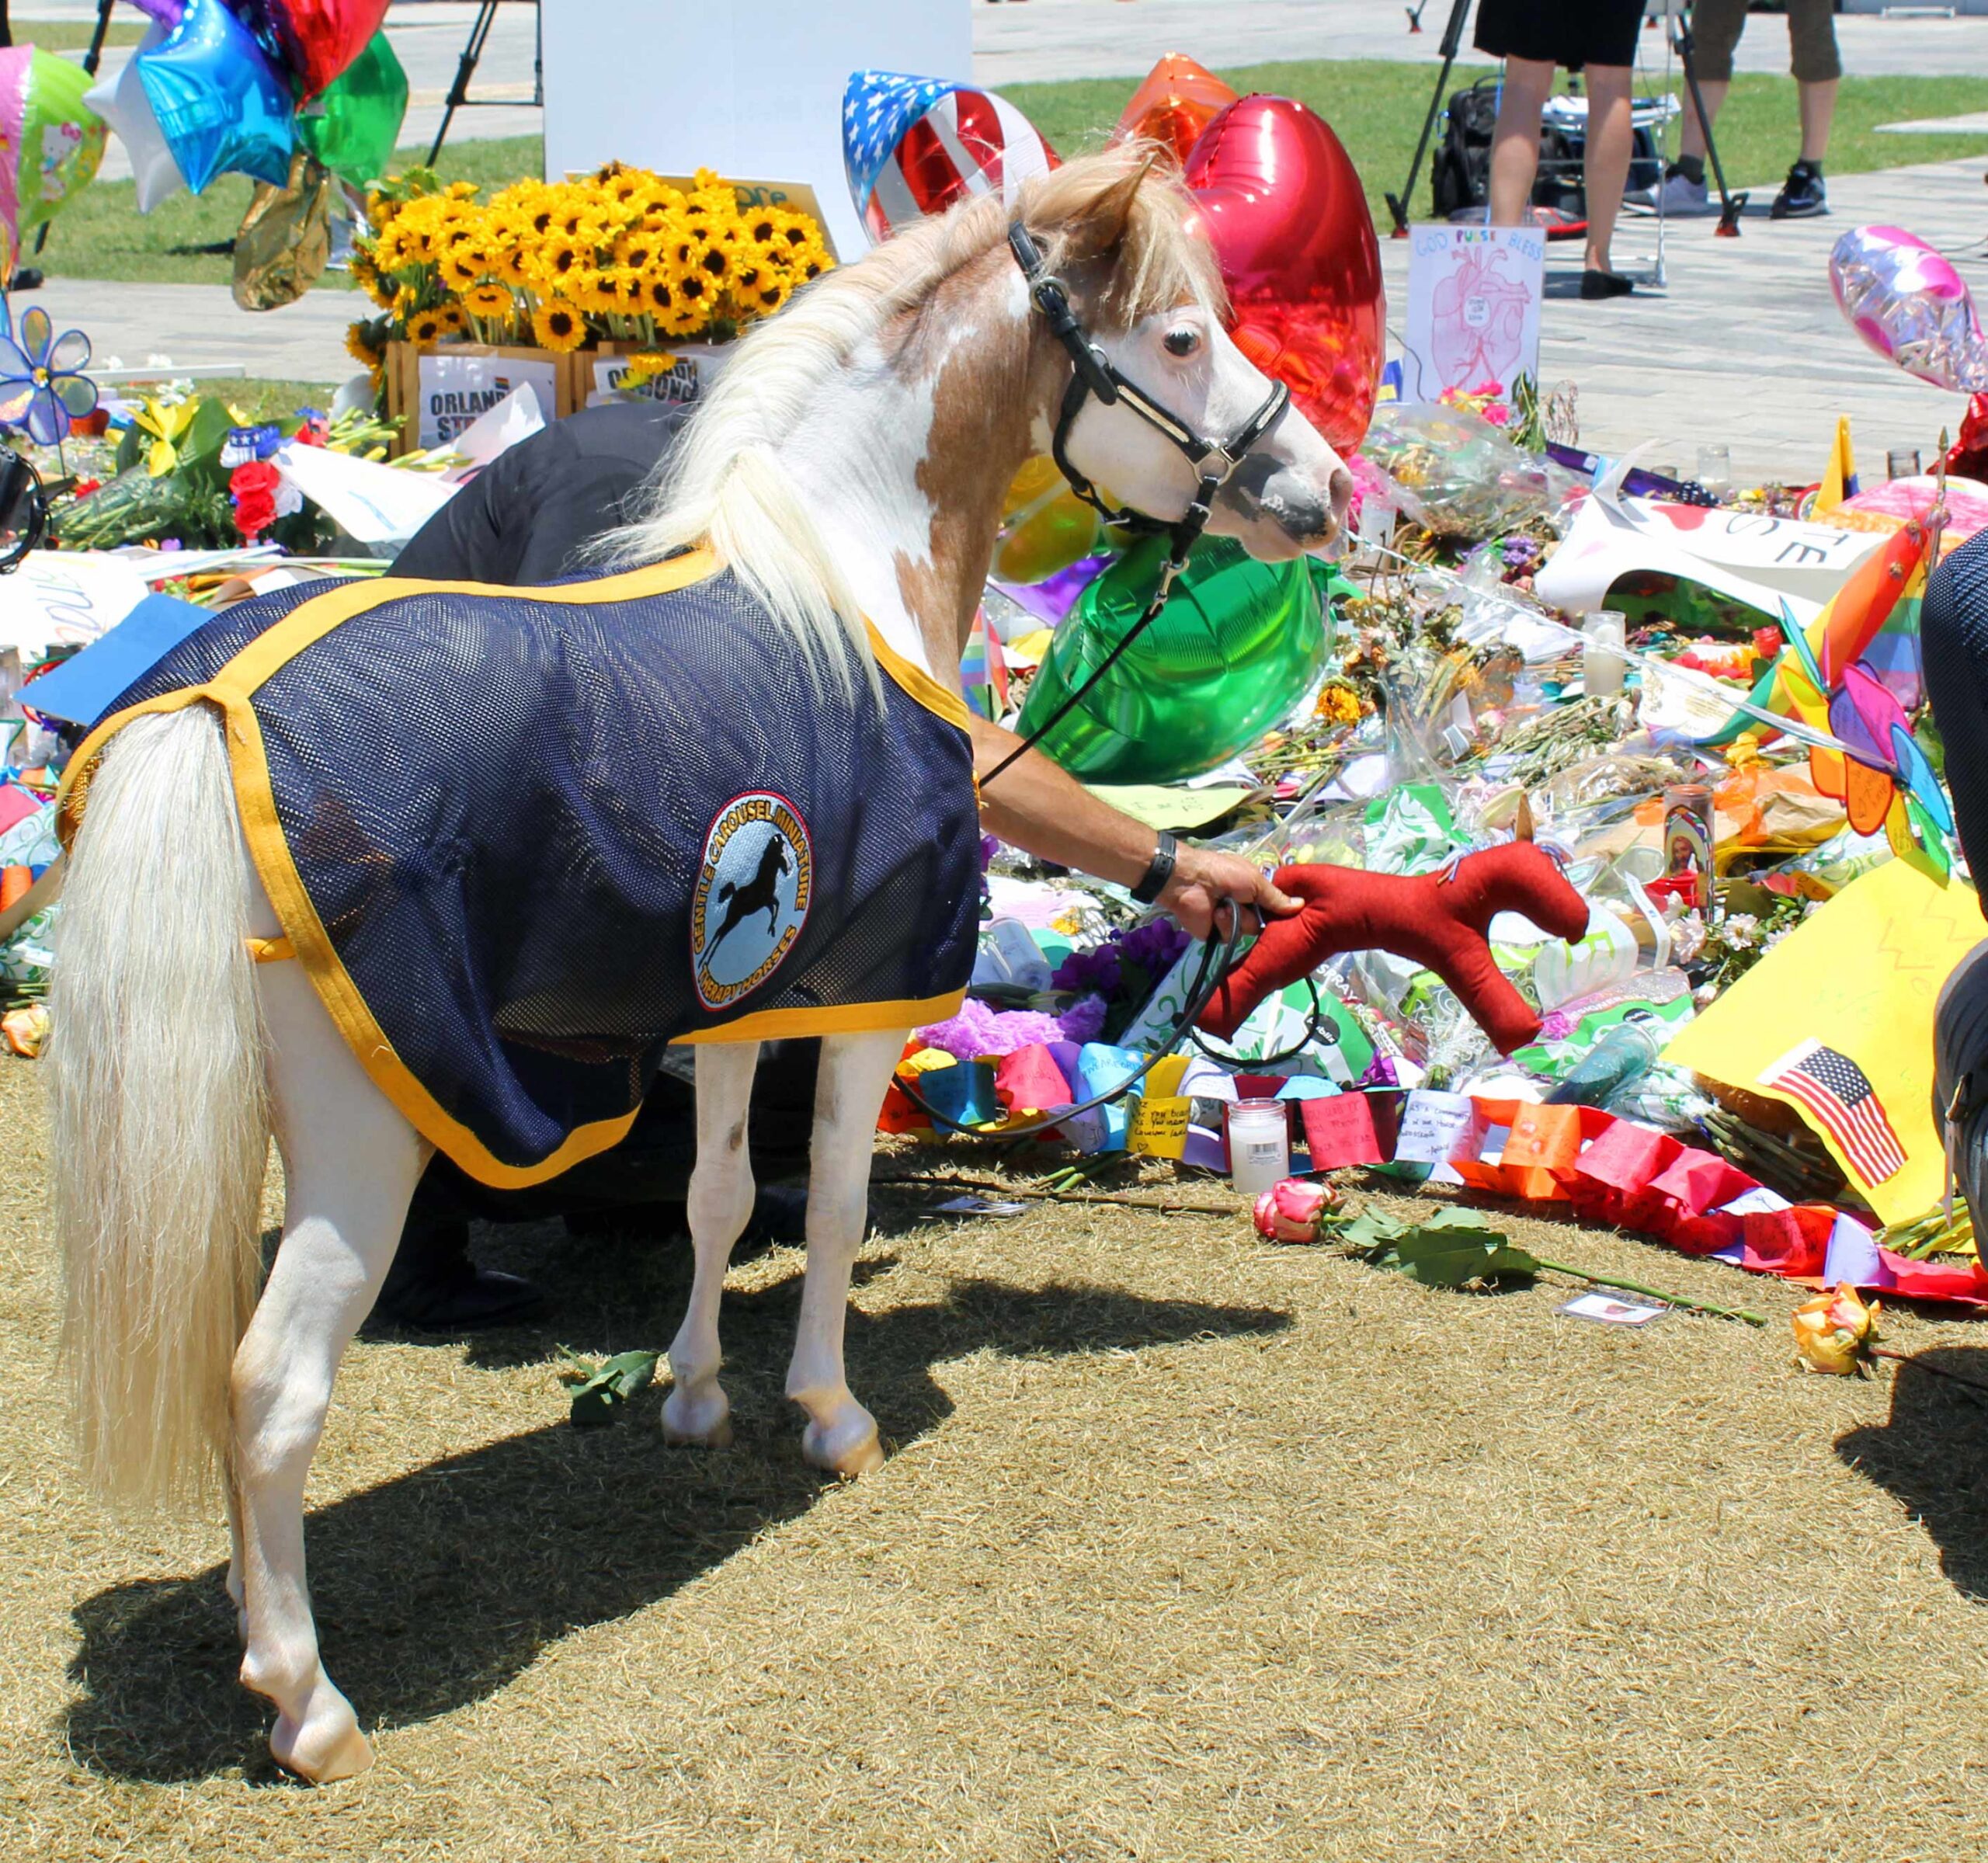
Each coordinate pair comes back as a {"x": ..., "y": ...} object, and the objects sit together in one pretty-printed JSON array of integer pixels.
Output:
[{"x": 620, "y": 256}]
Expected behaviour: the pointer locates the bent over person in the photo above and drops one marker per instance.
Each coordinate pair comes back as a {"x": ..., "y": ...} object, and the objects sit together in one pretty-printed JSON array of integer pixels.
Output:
[{"x": 528, "y": 519}]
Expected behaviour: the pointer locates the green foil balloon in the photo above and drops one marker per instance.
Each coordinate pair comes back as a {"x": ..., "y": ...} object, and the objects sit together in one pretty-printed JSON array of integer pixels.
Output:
[
  {"x": 1230, "y": 654},
  {"x": 352, "y": 127}
]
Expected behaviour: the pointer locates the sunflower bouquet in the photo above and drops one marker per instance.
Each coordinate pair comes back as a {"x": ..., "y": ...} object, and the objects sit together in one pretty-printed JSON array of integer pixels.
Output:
[{"x": 620, "y": 255}]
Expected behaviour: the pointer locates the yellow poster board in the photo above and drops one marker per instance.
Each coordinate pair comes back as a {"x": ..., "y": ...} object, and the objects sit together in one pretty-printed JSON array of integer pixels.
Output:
[{"x": 1856, "y": 983}]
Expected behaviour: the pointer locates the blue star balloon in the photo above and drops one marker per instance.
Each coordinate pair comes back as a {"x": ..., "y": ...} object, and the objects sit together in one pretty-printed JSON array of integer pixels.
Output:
[{"x": 220, "y": 106}]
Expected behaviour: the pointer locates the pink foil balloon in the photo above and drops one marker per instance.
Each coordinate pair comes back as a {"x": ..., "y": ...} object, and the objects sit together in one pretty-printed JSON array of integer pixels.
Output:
[
  {"x": 1283, "y": 207},
  {"x": 1910, "y": 304}
]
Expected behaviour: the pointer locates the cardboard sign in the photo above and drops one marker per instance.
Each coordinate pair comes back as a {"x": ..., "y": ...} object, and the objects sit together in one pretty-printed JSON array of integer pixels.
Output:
[
  {"x": 693, "y": 368},
  {"x": 458, "y": 382},
  {"x": 1473, "y": 308}
]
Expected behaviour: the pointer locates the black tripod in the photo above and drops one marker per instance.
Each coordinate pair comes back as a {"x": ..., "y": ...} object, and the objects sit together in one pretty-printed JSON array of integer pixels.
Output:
[
  {"x": 1398, "y": 204},
  {"x": 479, "y": 32}
]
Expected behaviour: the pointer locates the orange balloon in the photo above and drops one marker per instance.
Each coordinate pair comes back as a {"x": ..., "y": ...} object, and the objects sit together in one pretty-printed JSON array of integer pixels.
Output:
[{"x": 1177, "y": 101}]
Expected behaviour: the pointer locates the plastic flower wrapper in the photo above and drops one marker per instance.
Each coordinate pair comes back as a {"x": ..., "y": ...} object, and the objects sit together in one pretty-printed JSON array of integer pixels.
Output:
[
  {"x": 1293, "y": 1210},
  {"x": 1836, "y": 1333}
]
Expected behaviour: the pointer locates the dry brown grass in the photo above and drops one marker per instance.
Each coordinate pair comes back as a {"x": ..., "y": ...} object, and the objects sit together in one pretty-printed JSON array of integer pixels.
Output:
[{"x": 1189, "y": 1547}]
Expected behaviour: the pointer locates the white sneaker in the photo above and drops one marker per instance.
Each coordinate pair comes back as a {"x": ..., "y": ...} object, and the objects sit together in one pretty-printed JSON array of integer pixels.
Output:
[{"x": 1678, "y": 196}]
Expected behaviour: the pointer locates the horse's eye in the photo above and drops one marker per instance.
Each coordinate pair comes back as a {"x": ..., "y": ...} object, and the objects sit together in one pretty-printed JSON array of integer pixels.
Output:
[{"x": 1183, "y": 343}]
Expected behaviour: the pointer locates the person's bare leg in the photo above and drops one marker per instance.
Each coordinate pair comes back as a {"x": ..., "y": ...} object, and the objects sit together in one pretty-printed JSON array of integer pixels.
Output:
[
  {"x": 1818, "y": 111},
  {"x": 1605, "y": 168},
  {"x": 1691, "y": 136},
  {"x": 1515, "y": 142}
]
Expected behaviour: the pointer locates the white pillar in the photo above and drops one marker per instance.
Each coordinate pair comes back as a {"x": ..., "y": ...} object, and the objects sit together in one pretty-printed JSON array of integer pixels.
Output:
[{"x": 752, "y": 87}]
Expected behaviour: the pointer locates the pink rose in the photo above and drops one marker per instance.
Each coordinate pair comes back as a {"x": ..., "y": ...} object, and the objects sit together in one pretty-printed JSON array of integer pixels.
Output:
[{"x": 1292, "y": 1211}]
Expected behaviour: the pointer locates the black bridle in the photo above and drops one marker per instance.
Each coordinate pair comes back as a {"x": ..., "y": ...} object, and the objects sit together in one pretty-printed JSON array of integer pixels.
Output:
[{"x": 1092, "y": 373}]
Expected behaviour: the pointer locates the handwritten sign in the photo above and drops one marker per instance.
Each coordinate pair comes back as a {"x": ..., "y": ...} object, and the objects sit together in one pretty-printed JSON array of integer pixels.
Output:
[
  {"x": 1158, "y": 1124},
  {"x": 1473, "y": 308},
  {"x": 1435, "y": 1127},
  {"x": 1339, "y": 1130}
]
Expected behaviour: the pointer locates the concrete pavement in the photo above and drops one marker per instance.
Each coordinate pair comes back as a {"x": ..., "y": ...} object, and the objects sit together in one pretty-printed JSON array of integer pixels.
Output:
[{"x": 1747, "y": 346}]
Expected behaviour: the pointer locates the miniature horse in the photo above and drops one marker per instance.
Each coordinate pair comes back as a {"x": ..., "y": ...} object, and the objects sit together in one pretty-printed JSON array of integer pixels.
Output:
[{"x": 847, "y": 472}]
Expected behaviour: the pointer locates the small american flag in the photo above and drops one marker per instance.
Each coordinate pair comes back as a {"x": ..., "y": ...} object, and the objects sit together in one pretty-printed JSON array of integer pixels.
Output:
[
  {"x": 916, "y": 145},
  {"x": 1832, "y": 1087}
]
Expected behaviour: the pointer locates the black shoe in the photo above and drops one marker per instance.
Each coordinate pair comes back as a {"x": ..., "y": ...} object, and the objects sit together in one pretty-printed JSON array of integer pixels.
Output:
[
  {"x": 1605, "y": 284},
  {"x": 434, "y": 1286},
  {"x": 27, "y": 278},
  {"x": 1802, "y": 194}
]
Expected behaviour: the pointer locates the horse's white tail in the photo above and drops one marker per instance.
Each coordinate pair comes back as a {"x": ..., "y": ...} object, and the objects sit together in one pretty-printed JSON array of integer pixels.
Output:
[{"x": 161, "y": 1124}]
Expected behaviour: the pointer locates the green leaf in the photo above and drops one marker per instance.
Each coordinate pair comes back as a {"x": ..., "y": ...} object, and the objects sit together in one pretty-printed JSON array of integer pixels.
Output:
[
  {"x": 1451, "y": 1248},
  {"x": 599, "y": 1399}
]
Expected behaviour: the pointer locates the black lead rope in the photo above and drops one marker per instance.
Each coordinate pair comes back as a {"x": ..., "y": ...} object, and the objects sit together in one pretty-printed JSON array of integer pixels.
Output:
[{"x": 1092, "y": 373}]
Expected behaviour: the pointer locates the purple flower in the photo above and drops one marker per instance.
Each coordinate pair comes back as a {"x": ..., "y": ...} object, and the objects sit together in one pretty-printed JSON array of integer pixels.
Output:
[{"x": 1089, "y": 971}]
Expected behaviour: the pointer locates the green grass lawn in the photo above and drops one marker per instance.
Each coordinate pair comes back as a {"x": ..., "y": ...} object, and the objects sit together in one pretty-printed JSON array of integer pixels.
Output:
[
  {"x": 1376, "y": 106},
  {"x": 73, "y": 35}
]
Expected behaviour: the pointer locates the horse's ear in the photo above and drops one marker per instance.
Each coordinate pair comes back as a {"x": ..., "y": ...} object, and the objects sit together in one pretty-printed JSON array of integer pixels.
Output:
[
  {"x": 1522, "y": 823},
  {"x": 1099, "y": 225}
]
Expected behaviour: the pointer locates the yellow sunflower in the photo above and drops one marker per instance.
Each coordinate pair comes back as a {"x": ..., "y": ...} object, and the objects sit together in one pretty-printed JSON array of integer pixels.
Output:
[
  {"x": 453, "y": 322},
  {"x": 463, "y": 267},
  {"x": 557, "y": 258},
  {"x": 558, "y": 325},
  {"x": 488, "y": 299},
  {"x": 424, "y": 326},
  {"x": 359, "y": 349},
  {"x": 772, "y": 291}
]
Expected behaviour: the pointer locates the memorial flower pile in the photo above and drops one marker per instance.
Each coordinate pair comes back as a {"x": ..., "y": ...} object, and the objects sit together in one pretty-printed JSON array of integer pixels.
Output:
[{"x": 621, "y": 255}]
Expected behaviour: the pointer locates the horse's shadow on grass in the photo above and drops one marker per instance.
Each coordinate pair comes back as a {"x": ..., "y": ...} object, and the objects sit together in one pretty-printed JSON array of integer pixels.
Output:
[
  {"x": 1933, "y": 1455},
  {"x": 434, "y": 1589}
]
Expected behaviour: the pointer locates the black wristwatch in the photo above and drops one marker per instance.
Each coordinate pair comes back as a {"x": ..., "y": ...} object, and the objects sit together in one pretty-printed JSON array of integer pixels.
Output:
[{"x": 1164, "y": 858}]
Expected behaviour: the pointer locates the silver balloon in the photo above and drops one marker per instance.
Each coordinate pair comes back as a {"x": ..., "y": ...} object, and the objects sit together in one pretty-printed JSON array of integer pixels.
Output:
[
  {"x": 122, "y": 102},
  {"x": 1910, "y": 304}
]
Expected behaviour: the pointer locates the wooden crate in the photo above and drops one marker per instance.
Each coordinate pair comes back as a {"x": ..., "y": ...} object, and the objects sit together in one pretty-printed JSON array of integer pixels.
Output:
[{"x": 474, "y": 377}]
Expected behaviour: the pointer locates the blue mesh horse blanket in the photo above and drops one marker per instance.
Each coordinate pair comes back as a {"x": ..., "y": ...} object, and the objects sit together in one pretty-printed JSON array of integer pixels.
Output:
[{"x": 522, "y": 839}]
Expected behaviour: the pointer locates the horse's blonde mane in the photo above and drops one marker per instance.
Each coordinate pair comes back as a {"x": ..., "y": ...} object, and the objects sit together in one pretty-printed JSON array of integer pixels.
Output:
[{"x": 1122, "y": 211}]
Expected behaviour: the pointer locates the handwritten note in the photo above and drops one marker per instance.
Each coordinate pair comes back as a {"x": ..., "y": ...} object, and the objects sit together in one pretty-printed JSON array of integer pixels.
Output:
[
  {"x": 1340, "y": 1131},
  {"x": 1157, "y": 1126},
  {"x": 1434, "y": 1127}
]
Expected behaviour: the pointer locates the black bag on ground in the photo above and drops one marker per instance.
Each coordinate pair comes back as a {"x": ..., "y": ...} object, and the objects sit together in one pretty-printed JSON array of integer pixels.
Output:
[{"x": 1461, "y": 176}]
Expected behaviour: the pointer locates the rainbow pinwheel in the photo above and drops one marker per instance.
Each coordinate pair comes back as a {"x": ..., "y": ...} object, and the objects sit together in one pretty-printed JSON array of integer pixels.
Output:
[
  {"x": 43, "y": 388},
  {"x": 1879, "y": 773}
]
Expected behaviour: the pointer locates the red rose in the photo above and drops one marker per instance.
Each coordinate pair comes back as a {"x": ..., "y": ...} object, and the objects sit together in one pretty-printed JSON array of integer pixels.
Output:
[{"x": 253, "y": 490}]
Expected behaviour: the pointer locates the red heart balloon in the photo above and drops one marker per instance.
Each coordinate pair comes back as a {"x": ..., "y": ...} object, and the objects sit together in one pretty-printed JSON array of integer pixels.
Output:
[
  {"x": 313, "y": 39},
  {"x": 1284, "y": 207}
]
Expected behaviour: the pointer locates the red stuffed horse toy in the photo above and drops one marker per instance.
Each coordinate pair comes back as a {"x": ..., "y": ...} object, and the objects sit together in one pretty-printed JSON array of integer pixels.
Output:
[{"x": 1439, "y": 920}]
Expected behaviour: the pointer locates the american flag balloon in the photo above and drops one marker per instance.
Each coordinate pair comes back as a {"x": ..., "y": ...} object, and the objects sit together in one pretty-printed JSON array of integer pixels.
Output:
[{"x": 916, "y": 145}]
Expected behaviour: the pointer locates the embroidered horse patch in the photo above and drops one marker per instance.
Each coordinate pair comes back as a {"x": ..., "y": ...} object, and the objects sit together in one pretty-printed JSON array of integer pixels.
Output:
[{"x": 754, "y": 888}]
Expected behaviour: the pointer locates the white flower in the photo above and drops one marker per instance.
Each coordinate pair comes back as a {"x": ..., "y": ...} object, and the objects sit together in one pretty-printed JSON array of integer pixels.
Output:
[
  {"x": 1687, "y": 938},
  {"x": 1741, "y": 931}
]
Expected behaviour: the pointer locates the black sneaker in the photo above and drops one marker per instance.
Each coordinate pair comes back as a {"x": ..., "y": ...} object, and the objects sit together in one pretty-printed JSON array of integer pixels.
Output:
[{"x": 1802, "y": 194}]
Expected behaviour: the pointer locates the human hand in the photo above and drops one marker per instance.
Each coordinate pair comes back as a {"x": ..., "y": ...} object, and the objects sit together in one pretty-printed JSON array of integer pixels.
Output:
[{"x": 1205, "y": 882}]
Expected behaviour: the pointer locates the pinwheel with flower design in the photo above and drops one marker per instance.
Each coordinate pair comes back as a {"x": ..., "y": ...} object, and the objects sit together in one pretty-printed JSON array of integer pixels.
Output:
[{"x": 43, "y": 388}]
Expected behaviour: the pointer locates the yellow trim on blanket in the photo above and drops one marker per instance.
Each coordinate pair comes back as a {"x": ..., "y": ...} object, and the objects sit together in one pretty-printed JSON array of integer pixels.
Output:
[
  {"x": 844, "y": 1019},
  {"x": 231, "y": 690}
]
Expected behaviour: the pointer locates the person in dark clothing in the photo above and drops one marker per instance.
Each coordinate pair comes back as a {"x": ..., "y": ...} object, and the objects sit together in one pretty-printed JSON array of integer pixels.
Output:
[
  {"x": 525, "y": 519},
  {"x": 1953, "y": 643},
  {"x": 527, "y": 515}
]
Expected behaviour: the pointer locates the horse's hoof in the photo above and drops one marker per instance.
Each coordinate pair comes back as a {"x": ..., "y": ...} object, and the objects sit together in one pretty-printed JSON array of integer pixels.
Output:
[
  {"x": 326, "y": 1748},
  {"x": 697, "y": 1422},
  {"x": 848, "y": 1448}
]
